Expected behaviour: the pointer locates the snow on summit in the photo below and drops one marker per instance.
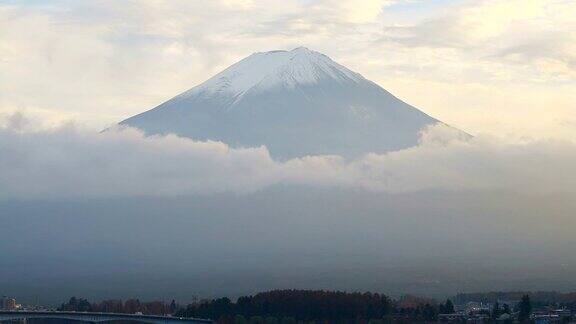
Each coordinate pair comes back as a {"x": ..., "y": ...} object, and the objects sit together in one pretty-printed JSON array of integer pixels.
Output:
[
  {"x": 296, "y": 103},
  {"x": 268, "y": 69}
]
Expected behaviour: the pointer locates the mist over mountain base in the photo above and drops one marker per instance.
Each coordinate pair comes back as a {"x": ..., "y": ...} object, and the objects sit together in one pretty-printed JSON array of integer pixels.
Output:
[{"x": 430, "y": 242}]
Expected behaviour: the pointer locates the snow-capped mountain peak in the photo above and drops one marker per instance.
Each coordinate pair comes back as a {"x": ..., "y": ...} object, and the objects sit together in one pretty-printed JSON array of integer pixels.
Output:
[{"x": 264, "y": 70}]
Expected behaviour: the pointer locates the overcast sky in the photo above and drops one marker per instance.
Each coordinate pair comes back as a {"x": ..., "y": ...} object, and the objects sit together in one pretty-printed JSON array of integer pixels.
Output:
[{"x": 502, "y": 67}]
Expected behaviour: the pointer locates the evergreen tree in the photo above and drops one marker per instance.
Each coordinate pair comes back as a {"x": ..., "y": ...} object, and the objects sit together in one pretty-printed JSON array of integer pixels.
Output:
[
  {"x": 429, "y": 313},
  {"x": 256, "y": 320},
  {"x": 496, "y": 311},
  {"x": 288, "y": 320},
  {"x": 239, "y": 319},
  {"x": 449, "y": 307},
  {"x": 173, "y": 307},
  {"x": 524, "y": 308},
  {"x": 271, "y": 320}
]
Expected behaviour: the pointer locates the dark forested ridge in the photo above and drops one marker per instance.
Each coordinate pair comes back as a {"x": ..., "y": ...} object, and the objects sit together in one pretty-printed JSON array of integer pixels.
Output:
[{"x": 296, "y": 304}]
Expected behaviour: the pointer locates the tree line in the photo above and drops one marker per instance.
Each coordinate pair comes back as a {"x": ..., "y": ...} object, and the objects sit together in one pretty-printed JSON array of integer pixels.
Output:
[
  {"x": 281, "y": 307},
  {"x": 309, "y": 306},
  {"x": 130, "y": 306},
  {"x": 298, "y": 307}
]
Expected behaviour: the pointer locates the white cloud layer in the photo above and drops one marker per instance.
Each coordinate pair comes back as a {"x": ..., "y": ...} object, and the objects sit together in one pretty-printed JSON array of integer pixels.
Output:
[{"x": 69, "y": 162}]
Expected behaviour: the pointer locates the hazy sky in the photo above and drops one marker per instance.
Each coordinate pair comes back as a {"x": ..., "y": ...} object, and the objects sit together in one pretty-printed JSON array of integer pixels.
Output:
[{"x": 505, "y": 67}]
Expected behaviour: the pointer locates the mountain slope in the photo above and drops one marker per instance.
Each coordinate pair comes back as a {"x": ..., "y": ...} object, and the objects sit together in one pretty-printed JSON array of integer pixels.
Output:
[{"x": 297, "y": 103}]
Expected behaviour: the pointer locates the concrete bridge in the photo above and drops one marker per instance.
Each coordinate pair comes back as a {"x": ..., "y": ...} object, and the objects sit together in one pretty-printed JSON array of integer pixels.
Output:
[{"x": 96, "y": 317}]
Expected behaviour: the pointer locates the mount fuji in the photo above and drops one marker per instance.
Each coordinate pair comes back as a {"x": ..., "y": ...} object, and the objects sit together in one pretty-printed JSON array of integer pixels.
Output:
[{"x": 296, "y": 103}]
